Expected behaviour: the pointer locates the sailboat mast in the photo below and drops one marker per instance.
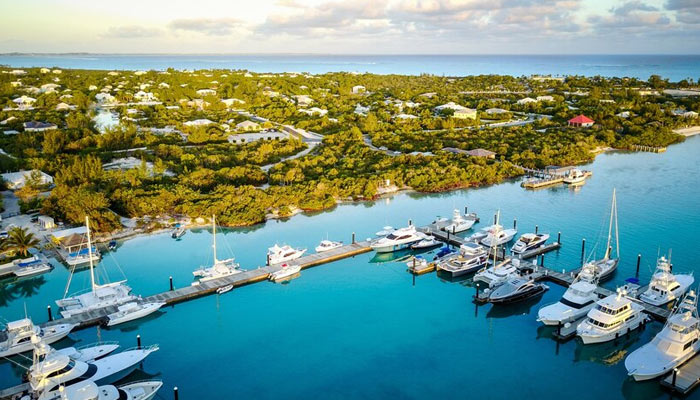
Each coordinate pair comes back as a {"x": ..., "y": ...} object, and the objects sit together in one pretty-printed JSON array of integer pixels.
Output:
[
  {"x": 494, "y": 238},
  {"x": 612, "y": 210},
  {"x": 213, "y": 226},
  {"x": 92, "y": 267}
]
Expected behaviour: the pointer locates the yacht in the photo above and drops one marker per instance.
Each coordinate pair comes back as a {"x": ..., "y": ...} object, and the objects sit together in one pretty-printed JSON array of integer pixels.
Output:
[
  {"x": 666, "y": 286},
  {"x": 580, "y": 297},
  {"x": 574, "y": 176},
  {"x": 498, "y": 274},
  {"x": 605, "y": 267},
  {"x": 88, "y": 390},
  {"x": 426, "y": 243},
  {"x": 51, "y": 368},
  {"x": 612, "y": 317},
  {"x": 17, "y": 336},
  {"x": 31, "y": 266},
  {"x": 286, "y": 271},
  {"x": 224, "y": 289},
  {"x": 471, "y": 257},
  {"x": 386, "y": 231},
  {"x": 398, "y": 240},
  {"x": 278, "y": 255},
  {"x": 497, "y": 236},
  {"x": 677, "y": 342},
  {"x": 178, "y": 232},
  {"x": 131, "y": 311},
  {"x": 529, "y": 241},
  {"x": 221, "y": 268},
  {"x": 516, "y": 289},
  {"x": 328, "y": 245},
  {"x": 90, "y": 352},
  {"x": 100, "y": 296},
  {"x": 460, "y": 223}
]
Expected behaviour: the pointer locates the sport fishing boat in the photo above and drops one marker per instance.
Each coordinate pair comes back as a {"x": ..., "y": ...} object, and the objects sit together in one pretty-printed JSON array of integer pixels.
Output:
[
  {"x": 100, "y": 296},
  {"x": 497, "y": 236},
  {"x": 400, "y": 239},
  {"x": 88, "y": 390},
  {"x": 220, "y": 268},
  {"x": 31, "y": 266},
  {"x": 131, "y": 311},
  {"x": 51, "y": 368},
  {"x": 677, "y": 342},
  {"x": 666, "y": 286},
  {"x": 286, "y": 271},
  {"x": 499, "y": 273},
  {"x": 386, "y": 231},
  {"x": 612, "y": 317},
  {"x": 516, "y": 289},
  {"x": 580, "y": 297},
  {"x": 426, "y": 243},
  {"x": 460, "y": 223},
  {"x": 90, "y": 352},
  {"x": 529, "y": 241},
  {"x": 17, "y": 335},
  {"x": 471, "y": 257},
  {"x": 326, "y": 245},
  {"x": 574, "y": 176},
  {"x": 279, "y": 255}
]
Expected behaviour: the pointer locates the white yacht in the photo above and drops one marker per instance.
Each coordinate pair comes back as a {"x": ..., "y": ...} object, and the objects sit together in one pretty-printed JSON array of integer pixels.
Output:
[
  {"x": 88, "y": 390},
  {"x": 666, "y": 286},
  {"x": 426, "y": 243},
  {"x": 31, "y": 266},
  {"x": 515, "y": 289},
  {"x": 497, "y": 236},
  {"x": 326, "y": 245},
  {"x": 612, "y": 317},
  {"x": 580, "y": 297},
  {"x": 460, "y": 223},
  {"x": 52, "y": 368},
  {"x": 398, "y": 240},
  {"x": 17, "y": 336},
  {"x": 100, "y": 296},
  {"x": 131, "y": 311},
  {"x": 279, "y": 255},
  {"x": 286, "y": 271},
  {"x": 471, "y": 257},
  {"x": 529, "y": 241},
  {"x": 677, "y": 342},
  {"x": 499, "y": 273},
  {"x": 220, "y": 268},
  {"x": 90, "y": 352},
  {"x": 386, "y": 231},
  {"x": 605, "y": 267},
  {"x": 574, "y": 176}
]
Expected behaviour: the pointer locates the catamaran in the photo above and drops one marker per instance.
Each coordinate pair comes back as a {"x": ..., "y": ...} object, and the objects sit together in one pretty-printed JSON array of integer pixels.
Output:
[
  {"x": 605, "y": 267},
  {"x": 666, "y": 286},
  {"x": 17, "y": 335},
  {"x": 100, "y": 296},
  {"x": 221, "y": 268}
]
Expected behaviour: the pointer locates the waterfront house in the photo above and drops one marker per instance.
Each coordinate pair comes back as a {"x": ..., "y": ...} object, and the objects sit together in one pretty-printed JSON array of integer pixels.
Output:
[
  {"x": 581, "y": 121},
  {"x": 248, "y": 126},
  {"x": 313, "y": 110},
  {"x": 64, "y": 107},
  {"x": 361, "y": 110},
  {"x": 37, "y": 126},
  {"x": 17, "y": 180},
  {"x": 104, "y": 98},
  {"x": 144, "y": 96}
]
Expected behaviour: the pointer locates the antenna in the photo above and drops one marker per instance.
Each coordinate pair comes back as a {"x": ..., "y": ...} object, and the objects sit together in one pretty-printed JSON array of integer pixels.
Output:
[{"x": 92, "y": 267}]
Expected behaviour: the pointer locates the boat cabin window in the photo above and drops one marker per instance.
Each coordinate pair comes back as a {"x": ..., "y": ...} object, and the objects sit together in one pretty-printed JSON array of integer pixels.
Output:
[
  {"x": 63, "y": 370},
  {"x": 24, "y": 339},
  {"x": 674, "y": 287},
  {"x": 603, "y": 325},
  {"x": 610, "y": 311}
]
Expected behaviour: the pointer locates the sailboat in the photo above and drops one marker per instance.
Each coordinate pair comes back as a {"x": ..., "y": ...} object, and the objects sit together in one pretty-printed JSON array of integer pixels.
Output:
[
  {"x": 221, "y": 268},
  {"x": 100, "y": 296},
  {"x": 605, "y": 267}
]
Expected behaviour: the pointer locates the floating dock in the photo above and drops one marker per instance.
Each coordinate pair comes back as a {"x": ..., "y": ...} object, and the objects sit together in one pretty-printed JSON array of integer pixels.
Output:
[{"x": 684, "y": 378}]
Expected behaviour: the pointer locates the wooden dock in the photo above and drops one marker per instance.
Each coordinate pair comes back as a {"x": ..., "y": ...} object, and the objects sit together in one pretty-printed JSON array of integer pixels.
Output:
[
  {"x": 686, "y": 378},
  {"x": 650, "y": 149}
]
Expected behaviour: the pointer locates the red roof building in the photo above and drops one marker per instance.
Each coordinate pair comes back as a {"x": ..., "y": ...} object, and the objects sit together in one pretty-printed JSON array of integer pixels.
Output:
[{"x": 581, "y": 121}]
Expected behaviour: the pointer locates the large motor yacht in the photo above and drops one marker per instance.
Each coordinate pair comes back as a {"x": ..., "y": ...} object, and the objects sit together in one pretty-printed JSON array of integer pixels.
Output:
[
  {"x": 497, "y": 236},
  {"x": 574, "y": 176},
  {"x": 400, "y": 239},
  {"x": 459, "y": 222},
  {"x": 17, "y": 336},
  {"x": 529, "y": 241},
  {"x": 580, "y": 297},
  {"x": 88, "y": 390},
  {"x": 611, "y": 318},
  {"x": 516, "y": 289},
  {"x": 666, "y": 286},
  {"x": 220, "y": 268},
  {"x": 677, "y": 342},
  {"x": 498, "y": 274},
  {"x": 471, "y": 257},
  {"x": 279, "y": 255}
]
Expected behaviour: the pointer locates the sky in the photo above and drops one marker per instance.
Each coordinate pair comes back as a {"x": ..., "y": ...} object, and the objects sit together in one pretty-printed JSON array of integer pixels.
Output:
[{"x": 352, "y": 26}]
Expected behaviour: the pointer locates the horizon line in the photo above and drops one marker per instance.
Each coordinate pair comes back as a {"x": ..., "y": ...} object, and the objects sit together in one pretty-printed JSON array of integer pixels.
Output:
[{"x": 19, "y": 53}]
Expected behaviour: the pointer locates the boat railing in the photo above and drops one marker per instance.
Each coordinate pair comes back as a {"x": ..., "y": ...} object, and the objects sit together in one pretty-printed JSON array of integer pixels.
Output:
[
  {"x": 101, "y": 343},
  {"x": 153, "y": 347}
]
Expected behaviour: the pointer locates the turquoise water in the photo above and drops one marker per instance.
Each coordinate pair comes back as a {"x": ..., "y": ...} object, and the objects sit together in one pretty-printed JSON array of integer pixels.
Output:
[
  {"x": 359, "y": 328},
  {"x": 674, "y": 67}
]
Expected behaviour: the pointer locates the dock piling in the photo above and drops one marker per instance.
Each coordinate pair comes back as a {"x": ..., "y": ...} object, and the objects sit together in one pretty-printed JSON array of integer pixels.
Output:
[
  {"x": 559, "y": 237},
  {"x": 537, "y": 228},
  {"x": 353, "y": 238},
  {"x": 48, "y": 308},
  {"x": 138, "y": 341},
  {"x": 675, "y": 374},
  {"x": 515, "y": 223},
  {"x": 175, "y": 395},
  {"x": 542, "y": 261},
  {"x": 495, "y": 218},
  {"x": 583, "y": 249},
  {"x": 268, "y": 260},
  {"x": 454, "y": 229},
  {"x": 639, "y": 259},
  {"x": 465, "y": 210},
  {"x": 410, "y": 222},
  {"x": 171, "y": 284}
]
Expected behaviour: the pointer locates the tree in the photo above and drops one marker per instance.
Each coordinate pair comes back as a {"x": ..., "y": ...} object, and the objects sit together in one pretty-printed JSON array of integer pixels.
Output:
[{"x": 21, "y": 241}]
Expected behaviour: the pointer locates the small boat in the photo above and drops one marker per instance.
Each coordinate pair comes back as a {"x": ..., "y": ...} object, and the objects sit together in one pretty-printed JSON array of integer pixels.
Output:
[
  {"x": 417, "y": 262},
  {"x": 426, "y": 243},
  {"x": 17, "y": 335},
  {"x": 328, "y": 245},
  {"x": 178, "y": 232},
  {"x": 443, "y": 252},
  {"x": 580, "y": 297},
  {"x": 286, "y": 271},
  {"x": 612, "y": 317},
  {"x": 112, "y": 245},
  {"x": 574, "y": 176},
  {"x": 516, "y": 289},
  {"x": 224, "y": 289},
  {"x": 91, "y": 352},
  {"x": 386, "y": 231},
  {"x": 471, "y": 257},
  {"x": 400, "y": 239},
  {"x": 131, "y": 311},
  {"x": 460, "y": 223},
  {"x": 31, "y": 266},
  {"x": 278, "y": 255},
  {"x": 677, "y": 342},
  {"x": 666, "y": 286},
  {"x": 529, "y": 241}
]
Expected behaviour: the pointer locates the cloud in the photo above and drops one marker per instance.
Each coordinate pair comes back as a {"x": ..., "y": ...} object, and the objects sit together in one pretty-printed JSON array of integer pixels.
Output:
[
  {"x": 687, "y": 11},
  {"x": 632, "y": 17},
  {"x": 130, "y": 32},
  {"x": 208, "y": 26}
]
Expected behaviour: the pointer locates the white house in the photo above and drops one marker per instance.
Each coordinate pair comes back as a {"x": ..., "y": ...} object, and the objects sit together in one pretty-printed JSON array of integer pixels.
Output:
[
  {"x": 46, "y": 222},
  {"x": 199, "y": 122},
  {"x": 163, "y": 85},
  {"x": 6, "y": 121},
  {"x": 36, "y": 126},
  {"x": 44, "y": 70},
  {"x": 358, "y": 89},
  {"x": 303, "y": 99},
  {"x": 361, "y": 110},
  {"x": 545, "y": 98},
  {"x": 64, "y": 107},
  {"x": 492, "y": 111},
  {"x": 17, "y": 180},
  {"x": 248, "y": 126},
  {"x": 16, "y": 83},
  {"x": 405, "y": 116},
  {"x": 49, "y": 87},
  {"x": 24, "y": 102},
  {"x": 526, "y": 100},
  {"x": 206, "y": 92},
  {"x": 451, "y": 106},
  {"x": 466, "y": 113},
  {"x": 624, "y": 114}
]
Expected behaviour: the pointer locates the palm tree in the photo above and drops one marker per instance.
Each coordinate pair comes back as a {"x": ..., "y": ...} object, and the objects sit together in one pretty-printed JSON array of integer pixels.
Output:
[{"x": 21, "y": 241}]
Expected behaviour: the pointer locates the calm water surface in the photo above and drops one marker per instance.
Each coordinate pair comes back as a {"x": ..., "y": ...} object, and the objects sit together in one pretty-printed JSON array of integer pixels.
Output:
[{"x": 360, "y": 328}]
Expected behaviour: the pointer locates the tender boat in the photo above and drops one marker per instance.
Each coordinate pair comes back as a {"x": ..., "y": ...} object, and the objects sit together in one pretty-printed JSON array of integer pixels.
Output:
[
  {"x": 131, "y": 311},
  {"x": 31, "y": 266},
  {"x": 17, "y": 335},
  {"x": 112, "y": 244},
  {"x": 400, "y": 239},
  {"x": 221, "y": 268},
  {"x": 88, "y": 390},
  {"x": 580, "y": 297},
  {"x": 443, "y": 252},
  {"x": 516, "y": 289},
  {"x": 612, "y": 317},
  {"x": 497, "y": 236},
  {"x": 574, "y": 176},
  {"x": 460, "y": 223},
  {"x": 529, "y": 241},
  {"x": 426, "y": 243},
  {"x": 279, "y": 255},
  {"x": 666, "y": 286},
  {"x": 471, "y": 257},
  {"x": 178, "y": 232},
  {"x": 386, "y": 231},
  {"x": 286, "y": 271},
  {"x": 224, "y": 289},
  {"x": 328, "y": 245},
  {"x": 677, "y": 342}
]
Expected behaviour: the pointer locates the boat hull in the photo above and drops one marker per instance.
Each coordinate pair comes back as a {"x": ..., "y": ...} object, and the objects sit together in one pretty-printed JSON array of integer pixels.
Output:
[
  {"x": 53, "y": 335},
  {"x": 588, "y": 338},
  {"x": 538, "y": 291}
]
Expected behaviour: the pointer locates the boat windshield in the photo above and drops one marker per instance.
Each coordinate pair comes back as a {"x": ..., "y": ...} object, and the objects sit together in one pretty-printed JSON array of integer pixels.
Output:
[
  {"x": 603, "y": 325},
  {"x": 573, "y": 304},
  {"x": 610, "y": 311}
]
